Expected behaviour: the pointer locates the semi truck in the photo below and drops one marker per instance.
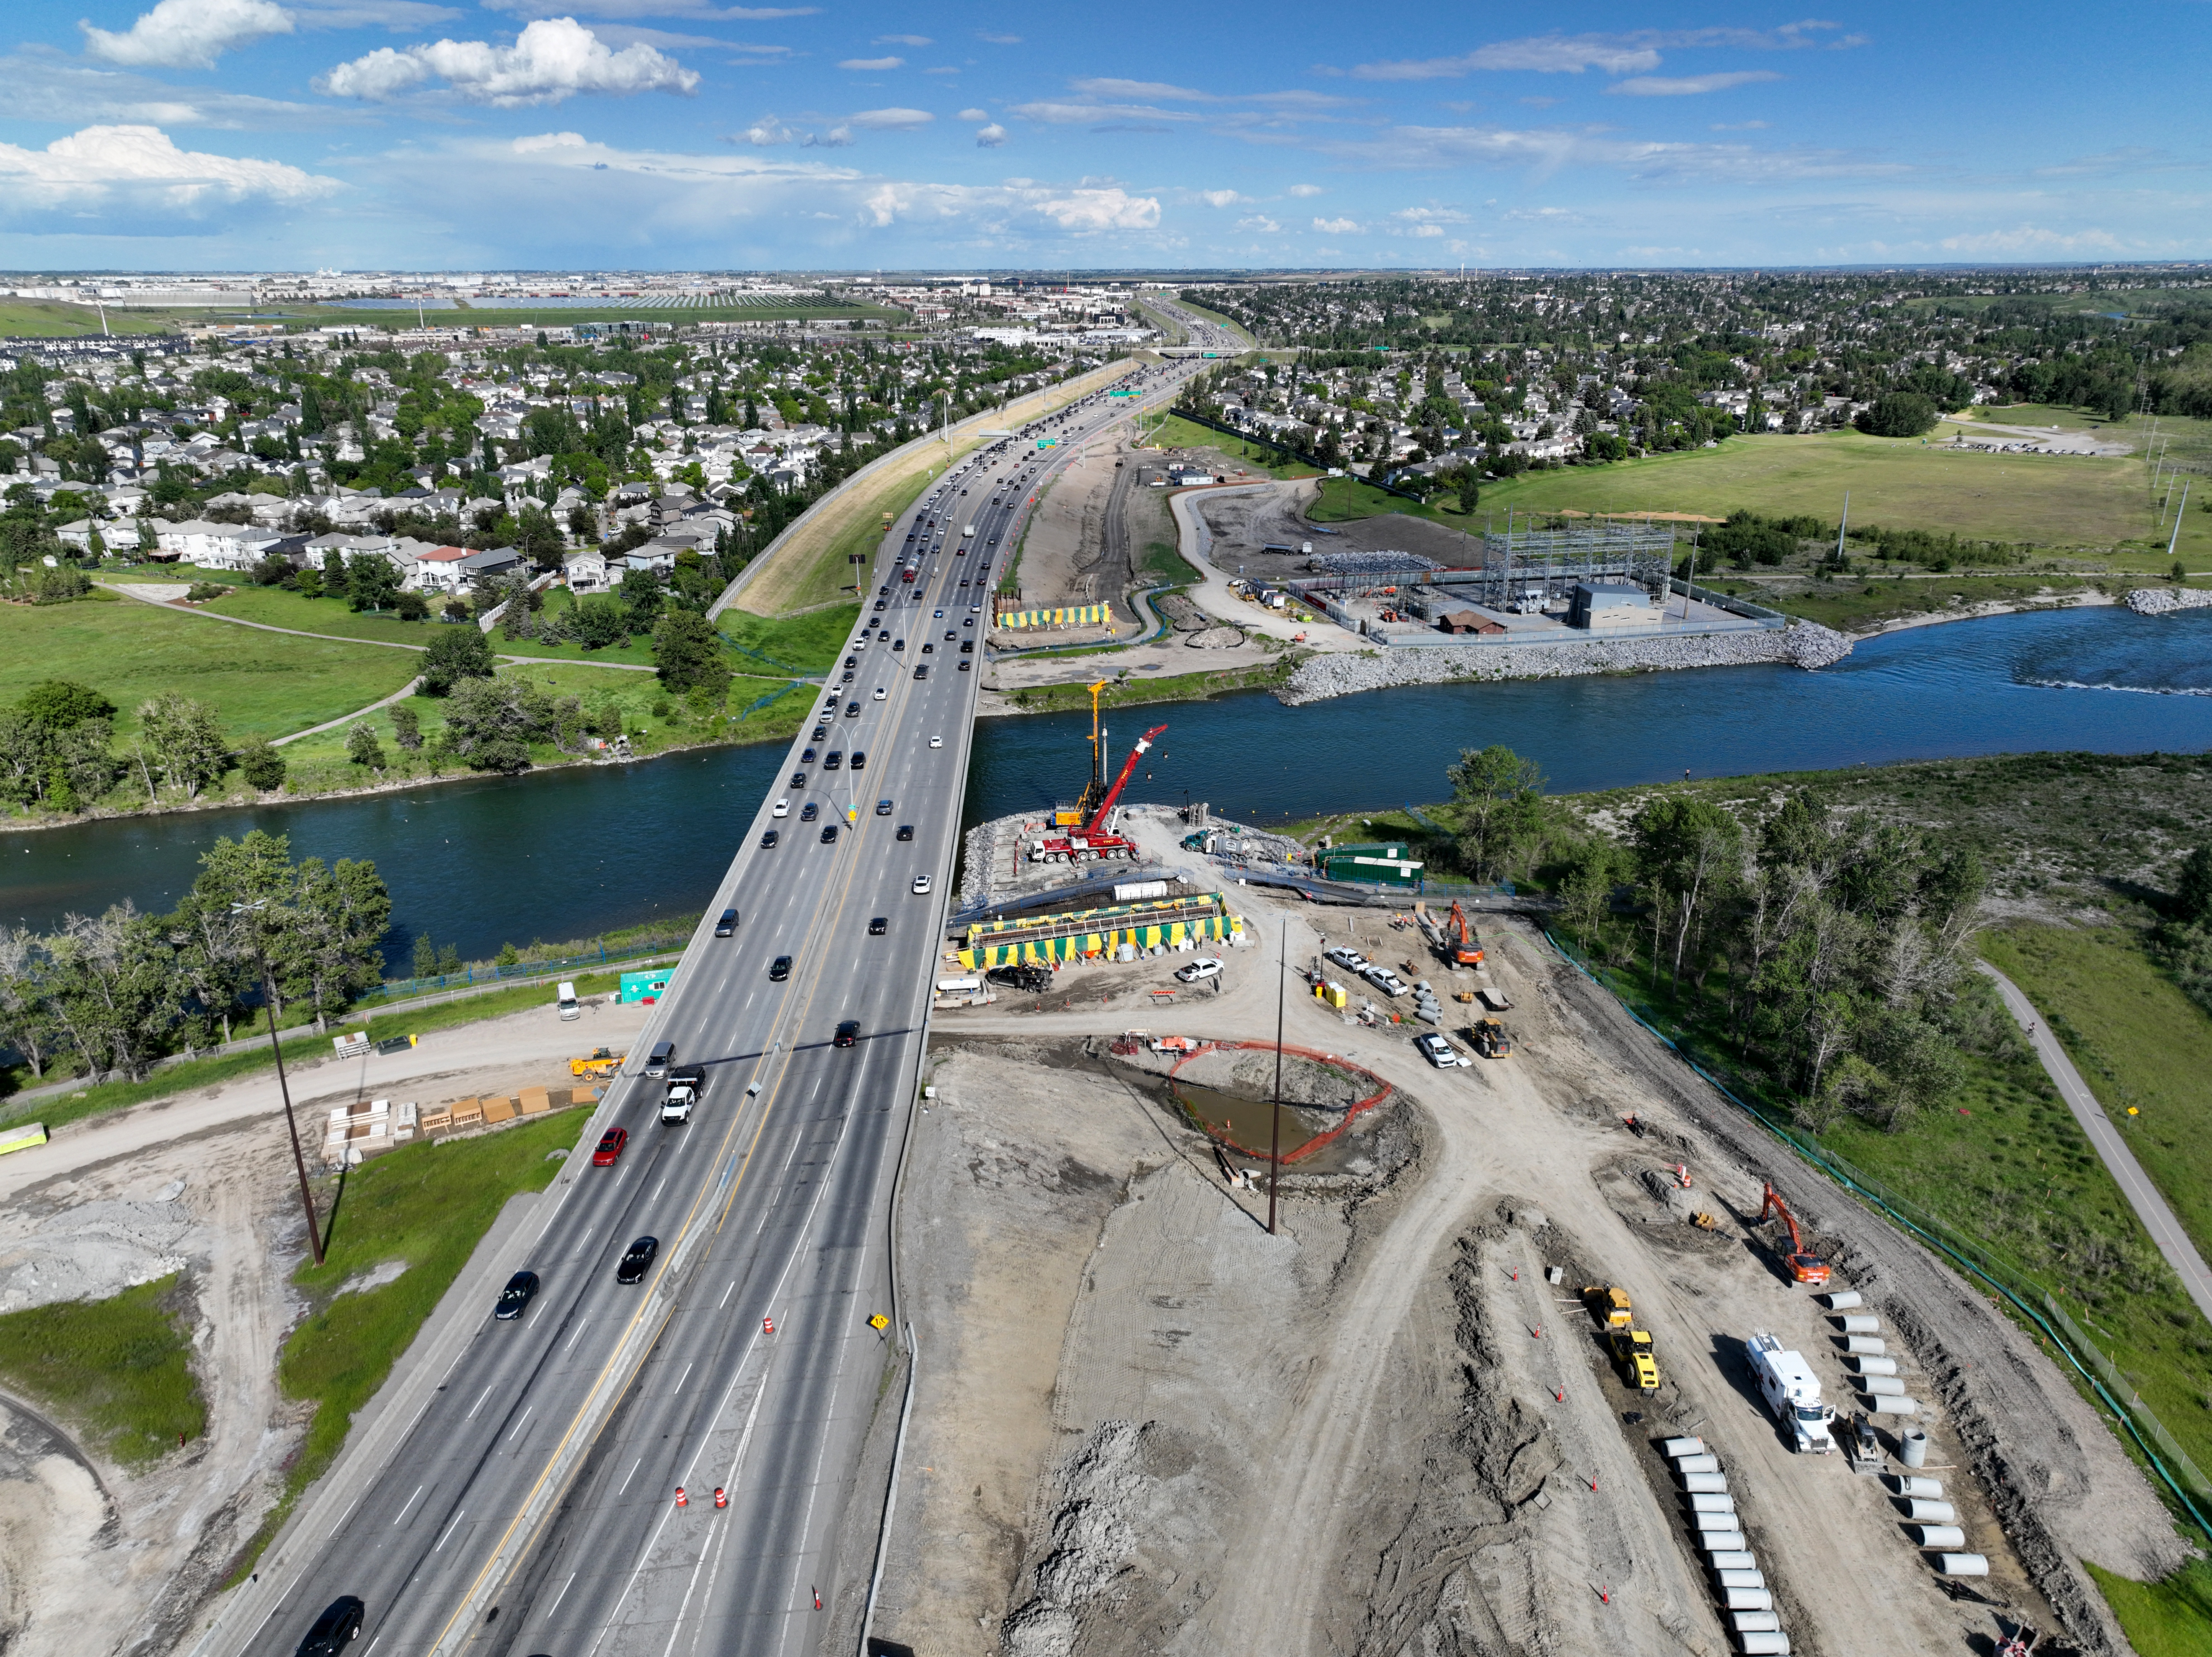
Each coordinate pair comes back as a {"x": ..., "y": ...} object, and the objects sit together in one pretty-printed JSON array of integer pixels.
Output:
[{"x": 1792, "y": 1392}]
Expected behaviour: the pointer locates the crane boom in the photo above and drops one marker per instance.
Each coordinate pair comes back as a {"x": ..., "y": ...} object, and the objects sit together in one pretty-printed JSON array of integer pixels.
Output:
[{"x": 1106, "y": 805}]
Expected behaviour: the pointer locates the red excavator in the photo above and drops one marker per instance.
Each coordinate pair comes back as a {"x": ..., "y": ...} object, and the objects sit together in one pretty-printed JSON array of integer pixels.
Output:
[
  {"x": 1092, "y": 841},
  {"x": 1808, "y": 1269},
  {"x": 1465, "y": 948}
]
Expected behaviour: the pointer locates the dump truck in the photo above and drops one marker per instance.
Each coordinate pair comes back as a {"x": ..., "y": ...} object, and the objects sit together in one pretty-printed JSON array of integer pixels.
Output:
[
  {"x": 1490, "y": 1038},
  {"x": 1640, "y": 1363},
  {"x": 1608, "y": 1303},
  {"x": 603, "y": 1062},
  {"x": 1792, "y": 1392}
]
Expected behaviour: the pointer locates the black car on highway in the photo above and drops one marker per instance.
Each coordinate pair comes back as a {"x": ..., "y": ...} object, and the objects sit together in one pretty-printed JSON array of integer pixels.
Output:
[
  {"x": 848, "y": 1033},
  {"x": 768, "y": 839},
  {"x": 339, "y": 1624},
  {"x": 514, "y": 1299},
  {"x": 779, "y": 970},
  {"x": 636, "y": 1259}
]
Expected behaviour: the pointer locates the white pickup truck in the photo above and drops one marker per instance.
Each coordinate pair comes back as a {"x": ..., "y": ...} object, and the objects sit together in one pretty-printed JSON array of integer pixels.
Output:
[{"x": 685, "y": 1084}]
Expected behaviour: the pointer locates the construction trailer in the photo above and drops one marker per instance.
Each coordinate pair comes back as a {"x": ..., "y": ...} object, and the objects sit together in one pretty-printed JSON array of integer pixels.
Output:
[
  {"x": 1386, "y": 862},
  {"x": 1091, "y": 934}
]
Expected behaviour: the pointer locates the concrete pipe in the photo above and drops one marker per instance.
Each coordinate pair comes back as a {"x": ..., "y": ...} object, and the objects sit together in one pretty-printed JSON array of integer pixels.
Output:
[
  {"x": 1764, "y": 1645},
  {"x": 1941, "y": 1536},
  {"x": 1838, "y": 1299},
  {"x": 1715, "y": 1521},
  {"x": 1705, "y": 1484},
  {"x": 1756, "y": 1622},
  {"x": 1859, "y": 1323},
  {"x": 1924, "y": 1512},
  {"x": 1962, "y": 1565},
  {"x": 1697, "y": 1464},
  {"x": 1874, "y": 1366},
  {"x": 1681, "y": 1447},
  {"x": 1894, "y": 1406},
  {"x": 1718, "y": 1543},
  {"x": 1743, "y": 1561},
  {"x": 1913, "y": 1448},
  {"x": 1747, "y": 1598},
  {"x": 1868, "y": 1345},
  {"x": 1741, "y": 1582},
  {"x": 1928, "y": 1489},
  {"x": 1717, "y": 1502},
  {"x": 1881, "y": 1387}
]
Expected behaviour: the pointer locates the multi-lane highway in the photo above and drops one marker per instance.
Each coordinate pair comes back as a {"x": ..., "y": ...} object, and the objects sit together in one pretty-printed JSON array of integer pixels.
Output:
[{"x": 530, "y": 1505}]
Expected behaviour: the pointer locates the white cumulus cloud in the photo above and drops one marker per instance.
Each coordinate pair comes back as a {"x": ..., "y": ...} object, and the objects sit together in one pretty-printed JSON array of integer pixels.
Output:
[
  {"x": 553, "y": 58},
  {"x": 1221, "y": 197},
  {"x": 1687, "y": 86},
  {"x": 974, "y": 115},
  {"x": 872, "y": 63},
  {"x": 990, "y": 136},
  {"x": 1303, "y": 191},
  {"x": 138, "y": 169},
  {"x": 892, "y": 120},
  {"x": 187, "y": 34},
  {"x": 1337, "y": 226},
  {"x": 1259, "y": 222},
  {"x": 768, "y": 131}
]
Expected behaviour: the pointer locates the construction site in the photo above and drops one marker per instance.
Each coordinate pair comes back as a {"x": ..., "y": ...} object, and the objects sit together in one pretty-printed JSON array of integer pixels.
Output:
[{"x": 1360, "y": 1277}]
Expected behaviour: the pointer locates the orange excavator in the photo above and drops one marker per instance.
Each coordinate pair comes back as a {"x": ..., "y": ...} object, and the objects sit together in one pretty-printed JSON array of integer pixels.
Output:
[
  {"x": 1465, "y": 948},
  {"x": 1809, "y": 1269}
]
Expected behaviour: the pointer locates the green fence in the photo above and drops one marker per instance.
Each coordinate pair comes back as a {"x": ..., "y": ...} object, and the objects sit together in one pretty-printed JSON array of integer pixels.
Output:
[{"x": 2179, "y": 1474}]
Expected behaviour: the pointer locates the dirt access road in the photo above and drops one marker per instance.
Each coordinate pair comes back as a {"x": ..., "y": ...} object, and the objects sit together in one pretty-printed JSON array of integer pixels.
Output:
[
  {"x": 1143, "y": 1425},
  {"x": 95, "y": 1557}
]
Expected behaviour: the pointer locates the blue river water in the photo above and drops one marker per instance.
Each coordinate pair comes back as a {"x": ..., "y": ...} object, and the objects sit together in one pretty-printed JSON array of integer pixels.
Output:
[{"x": 570, "y": 854}]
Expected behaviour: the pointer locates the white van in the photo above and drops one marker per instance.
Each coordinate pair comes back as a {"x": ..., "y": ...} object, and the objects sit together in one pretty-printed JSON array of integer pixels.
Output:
[{"x": 570, "y": 1007}]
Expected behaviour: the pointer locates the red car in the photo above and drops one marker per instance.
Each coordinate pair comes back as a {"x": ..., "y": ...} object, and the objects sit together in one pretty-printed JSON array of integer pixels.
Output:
[{"x": 611, "y": 1147}]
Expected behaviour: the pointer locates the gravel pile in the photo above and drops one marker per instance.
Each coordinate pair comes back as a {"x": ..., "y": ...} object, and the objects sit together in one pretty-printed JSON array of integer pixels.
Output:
[
  {"x": 97, "y": 1249},
  {"x": 1807, "y": 645},
  {"x": 1381, "y": 563},
  {"x": 2164, "y": 601}
]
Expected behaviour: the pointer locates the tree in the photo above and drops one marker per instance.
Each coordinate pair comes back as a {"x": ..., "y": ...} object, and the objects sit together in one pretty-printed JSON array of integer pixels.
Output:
[
  {"x": 641, "y": 596},
  {"x": 2193, "y": 892},
  {"x": 372, "y": 582},
  {"x": 687, "y": 653},
  {"x": 179, "y": 740},
  {"x": 1499, "y": 798},
  {"x": 111, "y": 992},
  {"x": 334, "y": 922},
  {"x": 1898, "y": 414},
  {"x": 56, "y": 705},
  {"x": 25, "y": 1025},
  {"x": 455, "y": 653},
  {"x": 411, "y": 606},
  {"x": 1684, "y": 846},
  {"x": 490, "y": 723},
  {"x": 601, "y": 621},
  {"x": 362, "y": 749},
  {"x": 260, "y": 764},
  {"x": 407, "y": 729}
]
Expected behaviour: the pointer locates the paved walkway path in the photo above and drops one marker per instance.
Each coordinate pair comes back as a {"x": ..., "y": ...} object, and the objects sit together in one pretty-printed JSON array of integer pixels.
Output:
[
  {"x": 400, "y": 695},
  {"x": 2150, "y": 1208}
]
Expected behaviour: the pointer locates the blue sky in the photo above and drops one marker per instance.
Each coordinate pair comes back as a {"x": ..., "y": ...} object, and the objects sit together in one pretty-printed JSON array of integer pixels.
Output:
[{"x": 672, "y": 134}]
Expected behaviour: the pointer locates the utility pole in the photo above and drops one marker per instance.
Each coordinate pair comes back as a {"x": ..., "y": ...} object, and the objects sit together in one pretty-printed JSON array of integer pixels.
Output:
[
  {"x": 1275, "y": 1119},
  {"x": 2174, "y": 540},
  {"x": 284, "y": 1088}
]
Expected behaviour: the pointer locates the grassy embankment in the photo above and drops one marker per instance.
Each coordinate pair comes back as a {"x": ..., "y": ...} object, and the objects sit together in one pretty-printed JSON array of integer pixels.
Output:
[
  {"x": 427, "y": 1206},
  {"x": 116, "y": 1371},
  {"x": 1134, "y": 690},
  {"x": 301, "y": 1048},
  {"x": 553, "y": 316},
  {"x": 812, "y": 568},
  {"x": 1174, "y": 432},
  {"x": 2082, "y": 846},
  {"x": 46, "y": 318}
]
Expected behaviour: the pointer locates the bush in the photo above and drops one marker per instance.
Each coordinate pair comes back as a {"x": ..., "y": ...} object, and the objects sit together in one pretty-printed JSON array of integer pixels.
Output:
[
  {"x": 406, "y": 729},
  {"x": 411, "y": 606},
  {"x": 1898, "y": 414},
  {"x": 261, "y": 765},
  {"x": 363, "y": 748},
  {"x": 455, "y": 654},
  {"x": 200, "y": 591}
]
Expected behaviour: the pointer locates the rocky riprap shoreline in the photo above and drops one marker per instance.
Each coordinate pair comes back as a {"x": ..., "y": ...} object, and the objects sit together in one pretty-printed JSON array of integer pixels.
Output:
[
  {"x": 1806, "y": 644},
  {"x": 2164, "y": 601}
]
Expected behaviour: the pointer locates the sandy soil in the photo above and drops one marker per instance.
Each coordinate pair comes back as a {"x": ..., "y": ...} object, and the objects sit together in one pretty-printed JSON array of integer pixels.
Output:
[
  {"x": 1146, "y": 1426},
  {"x": 96, "y": 1559}
]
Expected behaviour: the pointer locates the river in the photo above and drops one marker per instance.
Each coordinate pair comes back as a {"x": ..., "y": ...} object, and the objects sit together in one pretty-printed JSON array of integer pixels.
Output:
[{"x": 568, "y": 853}]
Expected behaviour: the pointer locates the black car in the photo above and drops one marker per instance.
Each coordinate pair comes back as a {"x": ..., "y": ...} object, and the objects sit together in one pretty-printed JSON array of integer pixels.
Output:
[
  {"x": 848, "y": 1033},
  {"x": 898, "y": 644},
  {"x": 877, "y": 928},
  {"x": 929, "y": 649},
  {"x": 820, "y": 731},
  {"x": 779, "y": 970},
  {"x": 798, "y": 780},
  {"x": 905, "y": 831},
  {"x": 967, "y": 646},
  {"x": 880, "y": 603},
  {"x": 965, "y": 664},
  {"x": 835, "y": 758},
  {"x": 852, "y": 710},
  {"x": 769, "y": 840},
  {"x": 809, "y": 756},
  {"x": 810, "y": 811},
  {"x": 727, "y": 925},
  {"x": 636, "y": 1259},
  {"x": 851, "y": 661},
  {"x": 514, "y": 1299},
  {"x": 829, "y": 834},
  {"x": 340, "y": 1624},
  {"x": 921, "y": 672},
  {"x": 860, "y": 759}
]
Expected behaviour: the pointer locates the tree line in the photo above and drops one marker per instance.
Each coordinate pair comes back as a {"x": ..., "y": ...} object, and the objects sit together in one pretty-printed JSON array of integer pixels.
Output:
[
  {"x": 1824, "y": 949},
  {"x": 117, "y": 992}
]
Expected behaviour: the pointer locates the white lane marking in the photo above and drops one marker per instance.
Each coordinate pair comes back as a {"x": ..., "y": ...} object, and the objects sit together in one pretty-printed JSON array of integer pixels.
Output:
[
  {"x": 563, "y": 1594},
  {"x": 686, "y": 1376},
  {"x": 372, "y": 1646},
  {"x": 587, "y": 1237},
  {"x": 479, "y": 1404},
  {"x": 347, "y": 1514},
  {"x": 579, "y": 1335},
  {"x": 658, "y": 1189},
  {"x": 634, "y": 1466},
  {"x": 411, "y": 1503},
  {"x": 726, "y": 1293},
  {"x": 449, "y": 1529},
  {"x": 518, "y": 1425}
]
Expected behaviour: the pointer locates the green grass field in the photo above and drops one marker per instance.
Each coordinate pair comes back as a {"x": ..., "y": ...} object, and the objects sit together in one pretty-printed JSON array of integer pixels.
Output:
[
  {"x": 261, "y": 685},
  {"x": 57, "y": 319},
  {"x": 1848, "y": 604},
  {"x": 1137, "y": 689},
  {"x": 2051, "y": 501},
  {"x": 2173, "y": 1618},
  {"x": 809, "y": 641},
  {"x": 1344, "y": 499},
  {"x": 427, "y": 1206},
  {"x": 656, "y": 316},
  {"x": 1177, "y": 432},
  {"x": 116, "y": 1370}
]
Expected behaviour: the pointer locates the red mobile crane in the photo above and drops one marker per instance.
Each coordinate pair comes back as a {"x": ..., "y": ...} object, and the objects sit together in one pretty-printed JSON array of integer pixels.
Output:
[
  {"x": 1091, "y": 841},
  {"x": 1806, "y": 1268}
]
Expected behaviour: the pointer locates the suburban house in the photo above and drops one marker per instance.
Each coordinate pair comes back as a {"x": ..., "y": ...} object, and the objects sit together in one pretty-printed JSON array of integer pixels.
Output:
[
  {"x": 586, "y": 571},
  {"x": 493, "y": 561},
  {"x": 212, "y": 546},
  {"x": 433, "y": 569}
]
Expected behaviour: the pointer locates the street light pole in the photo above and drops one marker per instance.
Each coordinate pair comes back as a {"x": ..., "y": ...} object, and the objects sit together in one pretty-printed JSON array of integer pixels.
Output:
[
  {"x": 284, "y": 1090},
  {"x": 1275, "y": 1119}
]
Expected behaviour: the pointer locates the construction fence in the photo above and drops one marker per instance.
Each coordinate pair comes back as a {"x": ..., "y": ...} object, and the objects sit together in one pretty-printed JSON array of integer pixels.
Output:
[
  {"x": 2172, "y": 1465},
  {"x": 1059, "y": 615},
  {"x": 1379, "y": 1090},
  {"x": 1091, "y": 934}
]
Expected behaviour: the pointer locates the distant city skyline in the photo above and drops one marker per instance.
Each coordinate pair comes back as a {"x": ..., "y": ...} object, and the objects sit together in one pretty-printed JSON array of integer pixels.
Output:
[{"x": 231, "y": 135}]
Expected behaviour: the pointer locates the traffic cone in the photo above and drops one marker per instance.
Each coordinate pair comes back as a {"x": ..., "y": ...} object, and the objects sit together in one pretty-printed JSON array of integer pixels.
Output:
[
  {"x": 767, "y": 1325},
  {"x": 817, "y": 1599},
  {"x": 682, "y": 1499},
  {"x": 722, "y": 1496}
]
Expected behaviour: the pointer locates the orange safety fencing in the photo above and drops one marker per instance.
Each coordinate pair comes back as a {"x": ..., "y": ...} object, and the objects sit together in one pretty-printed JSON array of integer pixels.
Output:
[{"x": 1352, "y": 1111}]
